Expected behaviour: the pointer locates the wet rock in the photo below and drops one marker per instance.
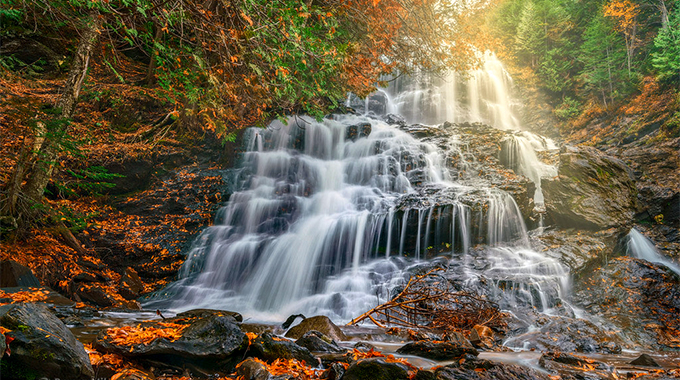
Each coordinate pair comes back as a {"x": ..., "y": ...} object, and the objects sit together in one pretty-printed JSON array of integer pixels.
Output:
[
  {"x": 425, "y": 375},
  {"x": 393, "y": 119},
  {"x": 592, "y": 191},
  {"x": 364, "y": 347},
  {"x": 269, "y": 347},
  {"x": 481, "y": 336},
  {"x": 437, "y": 350},
  {"x": 320, "y": 323},
  {"x": 130, "y": 285},
  {"x": 354, "y": 132},
  {"x": 645, "y": 360},
  {"x": 376, "y": 369},
  {"x": 134, "y": 374},
  {"x": 211, "y": 341},
  {"x": 581, "y": 251},
  {"x": 315, "y": 341},
  {"x": 336, "y": 371},
  {"x": 576, "y": 366},
  {"x": 475, "y": 369},
  {"x": 13, "y": 274},
  {"x": 207, "y": 313},
  {"x": 641, "y": 298},
  {"x": 251, "y": 369},
  {"x": 42, "y": 347},
  {"x": 566, "y": 334},
  {"x": 94, "y": 293}
]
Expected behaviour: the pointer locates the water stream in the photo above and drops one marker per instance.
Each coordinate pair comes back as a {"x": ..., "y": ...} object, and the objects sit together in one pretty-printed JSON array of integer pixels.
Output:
[{"x": 639, "y": 246}]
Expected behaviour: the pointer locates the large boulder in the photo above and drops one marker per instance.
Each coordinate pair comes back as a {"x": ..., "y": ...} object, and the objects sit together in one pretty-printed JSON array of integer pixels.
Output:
[
  {"x": 42, "y": 347},
  {"x": 13, "y": 274},
  {"x": 320, "y": 323},
  {"x": 593, "y": 191},
  {"x": 211, "y": 340}
]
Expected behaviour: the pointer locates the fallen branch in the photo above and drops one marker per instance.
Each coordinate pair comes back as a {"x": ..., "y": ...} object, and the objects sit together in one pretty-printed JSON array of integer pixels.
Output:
[{"x": 429, "y": 302}]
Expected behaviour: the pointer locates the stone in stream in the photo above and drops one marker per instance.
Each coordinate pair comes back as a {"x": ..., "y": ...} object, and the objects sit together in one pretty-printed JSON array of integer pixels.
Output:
[
  {"x": 437, "y": 350},
  {"x": 251, "y": 369},
  {"x": 376, "y": 369},
  {"x": 211, "y": 341},
  {"x": 579, "y": 367},
  {"x": 269, "y": 347},
  {"x": 315, "y": 341},
  {"x": 13, "y": 274},
  {"x": 42, "y": 347},
  {"x": 319, "y": 323},
  {"x": 645, "y": 360},
  {"x": 481, "y": 336}
]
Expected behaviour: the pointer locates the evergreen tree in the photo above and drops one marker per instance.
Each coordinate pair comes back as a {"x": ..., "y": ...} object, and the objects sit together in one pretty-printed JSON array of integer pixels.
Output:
[
  {"x": 602, "y": 59},
  {"x": 530, "y": 39},
  {"x": 666, "y": 57}
]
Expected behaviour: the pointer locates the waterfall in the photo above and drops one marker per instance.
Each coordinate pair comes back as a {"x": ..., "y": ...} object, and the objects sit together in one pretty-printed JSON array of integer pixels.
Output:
[
  {"x": 639, "y": 246},
  {"x": 481, "y": 96},
  {"x": 330, "y": 216},
  {"x": 520, "y": 153}
]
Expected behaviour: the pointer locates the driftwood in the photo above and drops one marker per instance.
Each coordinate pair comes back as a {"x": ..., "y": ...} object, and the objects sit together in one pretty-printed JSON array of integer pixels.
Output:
[{"x": 429, "y": 302}]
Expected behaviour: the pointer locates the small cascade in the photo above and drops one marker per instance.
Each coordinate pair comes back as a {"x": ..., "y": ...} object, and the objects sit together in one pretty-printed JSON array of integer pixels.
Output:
[
  {"x": 520, "y": 152},
  {"x": 329, "y": 217},
  {"x": 639, "y": 246},
  {"x": 481, "y": 96}
]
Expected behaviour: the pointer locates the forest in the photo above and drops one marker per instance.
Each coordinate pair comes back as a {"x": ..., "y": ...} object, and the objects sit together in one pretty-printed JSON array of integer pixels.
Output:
[{"x": 436, "y": 189}]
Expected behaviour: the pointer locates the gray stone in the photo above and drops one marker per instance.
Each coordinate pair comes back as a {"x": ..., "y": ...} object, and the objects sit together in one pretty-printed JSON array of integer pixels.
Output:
[{"x": 43, "y": 346}]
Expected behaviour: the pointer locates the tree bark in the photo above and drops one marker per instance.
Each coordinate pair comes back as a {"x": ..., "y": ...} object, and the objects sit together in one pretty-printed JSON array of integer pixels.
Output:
[
  {"x": 42, "y": 172},
  {"x": 150, "y": 79}
]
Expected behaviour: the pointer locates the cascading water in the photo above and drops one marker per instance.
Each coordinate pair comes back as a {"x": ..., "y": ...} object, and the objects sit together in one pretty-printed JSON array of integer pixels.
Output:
[
  {"x": 520, "y": 154},
  {"x": 639, "y": 246},
  {"x": 481, "y": 96},
  {"x": 329, "y": 217}
]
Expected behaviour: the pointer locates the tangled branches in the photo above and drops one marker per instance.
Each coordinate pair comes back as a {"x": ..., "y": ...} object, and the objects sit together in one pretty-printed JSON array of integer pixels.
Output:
[{"x": 428, "y": 301}]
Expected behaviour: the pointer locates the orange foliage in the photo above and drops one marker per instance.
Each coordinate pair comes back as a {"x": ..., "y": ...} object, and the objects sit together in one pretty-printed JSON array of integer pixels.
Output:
[
  {"x": 291, "y": 367},
  {"x": 624, "y": 12},
  {"x": 133, "y": 335},
  {"x": 97, "y": 358},
  {"x": 34, "y": 295}
]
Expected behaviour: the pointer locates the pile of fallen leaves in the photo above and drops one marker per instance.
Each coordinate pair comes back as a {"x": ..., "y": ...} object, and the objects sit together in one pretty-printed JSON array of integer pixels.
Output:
[
  {"x": 31, "y": 295},
  {"x": 135, "y": 335},
  {"x": 97, "y": 358}
]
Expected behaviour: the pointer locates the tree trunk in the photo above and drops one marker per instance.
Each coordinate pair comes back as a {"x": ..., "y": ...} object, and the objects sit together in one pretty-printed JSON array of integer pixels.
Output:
[
  {"x": 42, "y": 172},
  {"x": 150, "y": 79}
]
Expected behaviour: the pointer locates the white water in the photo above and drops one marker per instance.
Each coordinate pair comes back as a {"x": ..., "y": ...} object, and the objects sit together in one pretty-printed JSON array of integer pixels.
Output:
[
  {"x": 324, "y": 224},
  {"x": 483, "y": 95},
  {"x": 521, "y": 155},
  {"x": 639, "y": 246}
]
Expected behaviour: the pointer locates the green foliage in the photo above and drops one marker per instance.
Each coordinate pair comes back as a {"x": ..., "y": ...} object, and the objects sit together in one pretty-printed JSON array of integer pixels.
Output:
[
  {"x": 666, "y": 56},
  {"x": 530, "y": 38},
  {"x": 73, "y": 220},
  {"x": 569, "y": 108},
  {"x": 88, "y": 181},
  {"x": 602, "y": 56}
]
